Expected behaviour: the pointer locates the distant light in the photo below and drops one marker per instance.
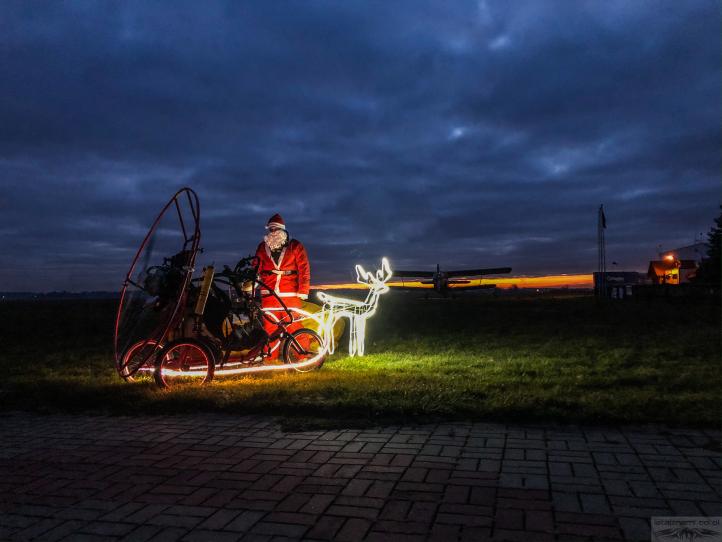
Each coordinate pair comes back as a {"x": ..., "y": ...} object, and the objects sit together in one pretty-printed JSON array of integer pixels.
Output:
[{"x": 669, "y": 257}]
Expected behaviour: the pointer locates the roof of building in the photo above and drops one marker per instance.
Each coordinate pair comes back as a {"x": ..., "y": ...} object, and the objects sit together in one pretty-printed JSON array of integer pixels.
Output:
[{"x": 696, "y": 250}]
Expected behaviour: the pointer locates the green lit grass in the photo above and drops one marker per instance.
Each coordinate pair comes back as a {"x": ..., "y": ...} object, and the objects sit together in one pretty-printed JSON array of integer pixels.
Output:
[{"x": 564, "y": 359}]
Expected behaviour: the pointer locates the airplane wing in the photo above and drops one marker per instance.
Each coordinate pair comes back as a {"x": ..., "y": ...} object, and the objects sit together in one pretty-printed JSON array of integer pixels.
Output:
[
  {"x": 410, "y": 284},
  {"x": 475, "y": 272},
  {"x": 413, "y": 274}
]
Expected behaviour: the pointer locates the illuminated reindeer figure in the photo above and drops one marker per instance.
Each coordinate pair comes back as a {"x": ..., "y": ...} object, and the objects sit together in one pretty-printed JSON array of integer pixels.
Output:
[{"x": 357, "y": 312}]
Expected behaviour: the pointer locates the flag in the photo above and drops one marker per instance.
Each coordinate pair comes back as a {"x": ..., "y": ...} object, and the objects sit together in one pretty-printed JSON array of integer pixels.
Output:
[{"x": 602, "y": 218}]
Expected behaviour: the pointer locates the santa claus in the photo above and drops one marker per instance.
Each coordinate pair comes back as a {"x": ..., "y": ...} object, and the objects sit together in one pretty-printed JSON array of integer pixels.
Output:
[{"x": 283, "y": 268}]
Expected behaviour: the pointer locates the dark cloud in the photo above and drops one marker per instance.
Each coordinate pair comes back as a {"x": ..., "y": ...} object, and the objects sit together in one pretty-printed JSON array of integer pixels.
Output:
[{"x": 469, "y": 133}]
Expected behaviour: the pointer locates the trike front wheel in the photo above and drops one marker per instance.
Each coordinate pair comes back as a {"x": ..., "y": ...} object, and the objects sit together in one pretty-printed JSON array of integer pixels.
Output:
[{"x": 304, "y": 349}]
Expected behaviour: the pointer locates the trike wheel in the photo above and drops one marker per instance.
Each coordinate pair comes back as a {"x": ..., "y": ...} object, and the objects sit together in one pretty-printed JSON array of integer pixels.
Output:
[
  {"x": 137, "y": 362},
  {"x": 304, "y": 345},
  {"x": 183, "y": 361}
]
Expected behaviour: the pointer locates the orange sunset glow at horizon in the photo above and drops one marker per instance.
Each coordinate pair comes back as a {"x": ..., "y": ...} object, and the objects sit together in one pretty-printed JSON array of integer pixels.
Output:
[{"x": 504, "y": 283}]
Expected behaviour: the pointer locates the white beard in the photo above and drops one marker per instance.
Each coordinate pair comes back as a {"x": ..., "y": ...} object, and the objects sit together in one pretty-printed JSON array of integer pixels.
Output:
[{"x": 276, "y": 239}]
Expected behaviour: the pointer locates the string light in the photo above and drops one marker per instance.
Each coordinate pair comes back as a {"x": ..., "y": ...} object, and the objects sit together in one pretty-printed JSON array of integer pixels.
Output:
[{"x": 198, "y": 371}]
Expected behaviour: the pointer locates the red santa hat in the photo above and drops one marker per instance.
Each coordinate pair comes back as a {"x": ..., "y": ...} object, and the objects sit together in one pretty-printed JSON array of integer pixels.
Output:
[{"x": 276, "y": 221}]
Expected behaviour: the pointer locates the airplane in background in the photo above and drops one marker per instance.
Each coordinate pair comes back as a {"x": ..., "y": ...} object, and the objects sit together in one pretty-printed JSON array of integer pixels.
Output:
[{"x": 444, "y": 282}]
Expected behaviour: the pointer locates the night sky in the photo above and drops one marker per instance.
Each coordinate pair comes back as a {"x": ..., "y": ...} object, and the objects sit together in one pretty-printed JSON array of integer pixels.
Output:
[{"x": 468, "y": 133}]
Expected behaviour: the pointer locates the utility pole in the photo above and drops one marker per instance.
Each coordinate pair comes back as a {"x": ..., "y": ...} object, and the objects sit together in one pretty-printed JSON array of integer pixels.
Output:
[{"x": 601, "y": 253}]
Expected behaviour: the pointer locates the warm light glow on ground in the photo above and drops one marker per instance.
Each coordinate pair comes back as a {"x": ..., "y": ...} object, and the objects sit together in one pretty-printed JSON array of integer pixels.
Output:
[{"x": 547, "y": 281}]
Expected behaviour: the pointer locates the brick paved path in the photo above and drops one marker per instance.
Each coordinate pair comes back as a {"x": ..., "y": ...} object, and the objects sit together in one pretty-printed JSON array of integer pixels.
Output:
[{"x": 218, "y": 477}]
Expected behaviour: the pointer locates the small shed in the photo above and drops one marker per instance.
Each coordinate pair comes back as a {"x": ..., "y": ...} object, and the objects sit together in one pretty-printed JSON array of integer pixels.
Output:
[{"x": 616, "y": 284}]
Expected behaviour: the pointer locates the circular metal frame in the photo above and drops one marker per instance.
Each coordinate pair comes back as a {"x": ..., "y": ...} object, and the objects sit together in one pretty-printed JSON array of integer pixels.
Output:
[{"x": 191, "y": 235}]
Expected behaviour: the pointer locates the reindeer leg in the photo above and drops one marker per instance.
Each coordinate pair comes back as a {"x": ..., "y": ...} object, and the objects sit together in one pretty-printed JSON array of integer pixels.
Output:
[
  {"x": 360, "y": 334},
  {"x": 352, "y": 336}
]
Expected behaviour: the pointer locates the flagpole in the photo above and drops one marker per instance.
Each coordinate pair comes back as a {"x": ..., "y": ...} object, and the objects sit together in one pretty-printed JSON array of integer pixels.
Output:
[{"x": 601, "y": 252}]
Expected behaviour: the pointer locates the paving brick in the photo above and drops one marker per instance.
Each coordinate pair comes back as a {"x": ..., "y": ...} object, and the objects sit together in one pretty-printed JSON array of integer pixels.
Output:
[
  {"x": 639, "y": 512},
  {"x": 635, "y": 528},
  {"x": 584, "y": 529},
  {"x": 686, "y": 508},
  {"x": 456, "y": 494},
  {"x": 593, "y": 503},
  {"x": 710, "y": 508},
  {"x": 400, "y": 527},
  {"x": 142, "y": 514},
  {"x": 353, "y": 530},
  {"x": 169, "y": 520},
  {"x": 506, "y": 518},
  {"x": 216, "y": 499},
  {"x": 326, "y": 528},
  {"x": 483, "y": 495},
  {"x": 415, "y": 474},
  {"x": 194, "y": 511},
  {"x": 141, "y": 533},
  {"x": 219, "y": 519},
  {"x": 296, "y": 518},
  {"x": 422, "y": 512},
  {"x": 168, "y": 534},
  {"x": 520, "y": 536},
  {"x": 293, "y": 531},
  {"x": 538, "y": 520},
  {"x": 463, "y": 519},
  {"x": 395, "y": 510},
  {"x": 444, "y": 533},
  {"x": 366, "y": 502},
  {"x": 380, "y": 489},
  {"x": 35, "y": 528},
  {"x": 244, "y": 521},
  {"x": 317, "y": 504},
  {"x": 201, "y": 535},
  {"x": 353, "y": 511},
  {"x": 566, "y": 502},
  {"x": 106, "y": 528},
  {"x": 16, "y": 521}
]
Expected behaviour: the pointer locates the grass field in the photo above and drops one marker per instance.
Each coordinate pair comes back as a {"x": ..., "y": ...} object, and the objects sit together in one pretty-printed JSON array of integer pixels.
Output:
[{"x": 564, "y": 359}]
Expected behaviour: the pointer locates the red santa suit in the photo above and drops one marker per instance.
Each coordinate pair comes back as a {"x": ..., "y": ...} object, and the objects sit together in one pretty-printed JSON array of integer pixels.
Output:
[{"x": 289, "y": 276}]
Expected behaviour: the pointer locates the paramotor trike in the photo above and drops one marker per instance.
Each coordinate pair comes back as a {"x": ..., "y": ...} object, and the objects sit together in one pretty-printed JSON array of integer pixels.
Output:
[{"x": 178, "y": 328}]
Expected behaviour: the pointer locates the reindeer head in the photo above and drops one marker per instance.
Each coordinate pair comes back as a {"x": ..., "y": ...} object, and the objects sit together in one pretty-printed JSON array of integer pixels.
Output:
[{"x": 376, "y": 282}]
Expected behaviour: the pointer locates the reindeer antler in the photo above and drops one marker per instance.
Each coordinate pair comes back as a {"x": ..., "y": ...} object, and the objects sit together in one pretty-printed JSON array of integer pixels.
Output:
[
  {"x": 362, "y": 276},
  {"x": 384, "y": 274},
  {"x": 374, "y": 279}
]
